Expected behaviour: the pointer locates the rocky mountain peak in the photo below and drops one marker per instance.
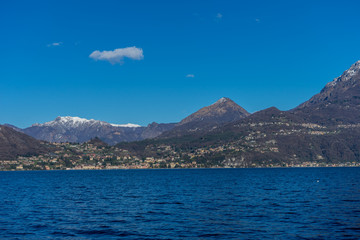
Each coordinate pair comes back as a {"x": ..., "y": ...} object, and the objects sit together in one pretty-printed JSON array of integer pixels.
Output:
[
  {"x": 345, "y": 86},
  {"x": 74, "y": 122},
  {"x": 339, "y": 99},
  {"x": 223, "y": 110},
  {"x": 352, "y": 73},
  {"x": 222, "y": 100},
  {"x": 73, "y": 119}
]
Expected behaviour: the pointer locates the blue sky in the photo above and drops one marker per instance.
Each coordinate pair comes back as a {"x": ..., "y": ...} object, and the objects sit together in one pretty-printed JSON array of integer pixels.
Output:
[{"x": 258, "y": 53}]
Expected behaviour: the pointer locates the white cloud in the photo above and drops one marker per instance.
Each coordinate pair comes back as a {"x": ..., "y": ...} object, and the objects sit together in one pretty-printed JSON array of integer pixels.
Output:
[
  {"x": 55, "y": 44},
  {"x": 190, "y": 76},
  {"x": 118, "y": 55},
  {"x": 219, "y": 16}
]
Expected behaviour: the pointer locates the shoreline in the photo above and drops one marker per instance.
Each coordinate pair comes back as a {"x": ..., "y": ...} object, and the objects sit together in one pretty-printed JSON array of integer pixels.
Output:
[{"x": 220, "y": 168}]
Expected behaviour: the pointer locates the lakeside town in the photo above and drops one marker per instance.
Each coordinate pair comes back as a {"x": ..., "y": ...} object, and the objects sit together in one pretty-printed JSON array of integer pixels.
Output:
[{"x": 96, "y": 155}]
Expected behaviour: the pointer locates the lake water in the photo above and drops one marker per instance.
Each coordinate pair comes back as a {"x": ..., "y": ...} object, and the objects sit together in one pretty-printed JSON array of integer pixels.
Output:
[{"x": 297, "y": 203}]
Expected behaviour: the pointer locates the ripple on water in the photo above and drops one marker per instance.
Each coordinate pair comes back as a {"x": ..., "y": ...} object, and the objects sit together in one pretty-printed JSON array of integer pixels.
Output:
[{"x": 181, "y": 204}]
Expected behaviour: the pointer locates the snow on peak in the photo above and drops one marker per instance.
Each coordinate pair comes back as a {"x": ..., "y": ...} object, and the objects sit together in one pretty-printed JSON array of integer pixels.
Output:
[
  {"x": 221, "y": 100},
  {"x": 73, "y": 122},
  {"x": 69, "y": 122},
  {"x": 347, "y": 75},
  {"x": 73, "y": 119},
  {"x": 353, "y": 70},
  {"x": 131, "y": 125}
]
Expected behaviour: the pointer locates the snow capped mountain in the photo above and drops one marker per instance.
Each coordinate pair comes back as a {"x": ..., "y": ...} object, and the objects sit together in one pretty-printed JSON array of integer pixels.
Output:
[
  {"x": 341, "y": 87},
  {"x": 76, "y": 122},
  {"x": 339, "y": 99},
  {"x": 76, "y": 129},
  {"x": 221, "y": 100},
  {"x": 346, "y": 76},
  {"x": 130, "y": 125}
]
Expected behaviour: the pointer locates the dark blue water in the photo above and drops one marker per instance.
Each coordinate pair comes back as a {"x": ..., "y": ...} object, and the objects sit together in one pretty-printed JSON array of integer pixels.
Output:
[{"x": 304, "y": 203}]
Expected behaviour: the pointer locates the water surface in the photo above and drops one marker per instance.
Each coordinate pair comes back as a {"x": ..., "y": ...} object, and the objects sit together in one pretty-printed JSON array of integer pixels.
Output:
[{"x": 299, "y": 203}]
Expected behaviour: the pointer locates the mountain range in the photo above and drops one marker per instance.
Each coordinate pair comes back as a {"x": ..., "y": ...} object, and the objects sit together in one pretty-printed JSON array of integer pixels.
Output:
[
  {"x": 324, "y": 128},
  {"x": 75, "y": 129}
]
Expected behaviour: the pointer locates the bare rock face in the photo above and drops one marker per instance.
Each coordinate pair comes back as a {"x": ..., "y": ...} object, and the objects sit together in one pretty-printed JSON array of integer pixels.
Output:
[{"x": 338, "y": 102}]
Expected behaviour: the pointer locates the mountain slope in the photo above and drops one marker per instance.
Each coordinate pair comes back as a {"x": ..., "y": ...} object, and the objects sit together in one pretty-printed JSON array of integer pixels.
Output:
[
  {"x": 155, "y": 129},
  {"x": 338, "y": 102},
  {"x": 223, "y": 111},
  {"x": 14, "y": 143}
]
